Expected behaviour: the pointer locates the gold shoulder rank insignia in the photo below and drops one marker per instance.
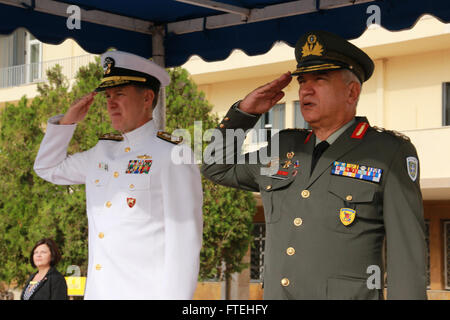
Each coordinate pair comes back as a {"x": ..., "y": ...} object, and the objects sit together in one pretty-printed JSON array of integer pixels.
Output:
[
  {"x": 393, "y": 133},
  {"x": 111, "y": 136},
  {"x": 297, "y": 129},
  {"x": 168, "y": 137}
]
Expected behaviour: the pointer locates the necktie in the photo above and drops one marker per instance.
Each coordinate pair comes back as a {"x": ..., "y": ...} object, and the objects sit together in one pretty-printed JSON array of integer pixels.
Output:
[{"x": 318, "y": 150}]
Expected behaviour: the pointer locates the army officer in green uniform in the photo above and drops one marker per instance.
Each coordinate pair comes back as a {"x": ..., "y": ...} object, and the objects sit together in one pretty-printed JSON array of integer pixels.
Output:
[{"x": 332, "y": 195}]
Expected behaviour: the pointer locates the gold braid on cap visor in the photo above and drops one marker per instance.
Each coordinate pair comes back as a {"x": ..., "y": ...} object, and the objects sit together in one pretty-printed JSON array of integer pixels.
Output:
[
  {"x": 114, "y": 80},
  {"x": 317, "y": 68}
]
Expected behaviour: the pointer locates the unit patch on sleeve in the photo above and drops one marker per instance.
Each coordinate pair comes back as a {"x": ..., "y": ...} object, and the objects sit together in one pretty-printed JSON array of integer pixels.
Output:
[
  {"x": 356, "y": 171},
  {"x": 412, "y": 164}
]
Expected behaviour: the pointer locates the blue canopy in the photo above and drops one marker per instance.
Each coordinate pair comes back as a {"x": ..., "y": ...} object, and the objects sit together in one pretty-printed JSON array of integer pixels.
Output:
[{"x": 210, "y": 29}]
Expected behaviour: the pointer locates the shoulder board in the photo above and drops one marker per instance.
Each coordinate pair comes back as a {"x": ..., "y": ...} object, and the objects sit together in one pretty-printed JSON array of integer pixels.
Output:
[
  {"x": 393, "y": 133},
  {"x": 111, "y": 136},
  {"x": 296, "y": 130},
  {"x": 168, "y": 137}
]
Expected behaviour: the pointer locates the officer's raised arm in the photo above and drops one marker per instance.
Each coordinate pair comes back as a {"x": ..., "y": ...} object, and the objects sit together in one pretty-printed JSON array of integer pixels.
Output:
[
  {"x": 78, "y": 110},
  {"x": 263, "y": 98}
]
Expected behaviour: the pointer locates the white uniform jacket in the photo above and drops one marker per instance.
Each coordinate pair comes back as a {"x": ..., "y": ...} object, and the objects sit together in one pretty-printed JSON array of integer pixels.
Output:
[{"x": 144, "y": 212}]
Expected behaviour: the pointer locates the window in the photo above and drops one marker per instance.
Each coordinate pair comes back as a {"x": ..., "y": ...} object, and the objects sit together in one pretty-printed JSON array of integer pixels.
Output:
[
  {"x": 447, "y": 253},
  {"x": 299, "y": 122},
  {"x": 257, "y": 252},
  {"x": 12, "y": 55},
  {"x": 20, "y": 59},
  {"x": 446, "y": 104},
  {"x": 34, "y": 58},
  {"x": 274, "y": 119}
]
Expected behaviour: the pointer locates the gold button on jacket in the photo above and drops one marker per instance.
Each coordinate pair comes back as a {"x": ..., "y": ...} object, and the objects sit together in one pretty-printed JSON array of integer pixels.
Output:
[
  {"x": 305, "y": 194},
  {"x": 285, "y": 282}
]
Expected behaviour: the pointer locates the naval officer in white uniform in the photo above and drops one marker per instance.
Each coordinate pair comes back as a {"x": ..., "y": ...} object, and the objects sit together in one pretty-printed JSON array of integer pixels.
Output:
[{"x": 144, "y": 211}]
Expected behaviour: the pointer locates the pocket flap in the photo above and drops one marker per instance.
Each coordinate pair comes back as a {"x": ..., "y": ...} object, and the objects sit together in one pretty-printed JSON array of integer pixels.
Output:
[
  {"x": 352, "y": 190},
  {"x": 271, "y": 184},
  {"x": 350, "y": 288}
]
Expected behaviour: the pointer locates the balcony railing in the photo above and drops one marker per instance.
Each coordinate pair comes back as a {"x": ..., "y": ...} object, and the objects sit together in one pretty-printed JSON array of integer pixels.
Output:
[{"x": 37, "y": 72}]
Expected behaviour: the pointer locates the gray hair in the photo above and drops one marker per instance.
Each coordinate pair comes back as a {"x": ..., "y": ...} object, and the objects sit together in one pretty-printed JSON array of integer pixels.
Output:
[{"x": 348, "y": 77}]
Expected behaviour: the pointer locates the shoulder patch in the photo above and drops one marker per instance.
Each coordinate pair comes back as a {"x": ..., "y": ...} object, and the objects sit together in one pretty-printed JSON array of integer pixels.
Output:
[
  {"x": 392, "y": 133},
  {"x": 412, "y": 164},
  {"x": 169, "y": 138},
  {"x": 111, "y": 136}
]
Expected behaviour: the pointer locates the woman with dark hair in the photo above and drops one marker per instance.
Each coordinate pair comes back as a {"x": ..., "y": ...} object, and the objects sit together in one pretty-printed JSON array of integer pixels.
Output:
[{"x": 47, "y": 283}]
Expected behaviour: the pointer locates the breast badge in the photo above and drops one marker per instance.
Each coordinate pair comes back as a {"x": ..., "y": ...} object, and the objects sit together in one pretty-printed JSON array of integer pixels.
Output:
[
  {"x": 347, "y": 216},
  {"x": 131, "y": 202},
  {"x": 103, "y": 166}
]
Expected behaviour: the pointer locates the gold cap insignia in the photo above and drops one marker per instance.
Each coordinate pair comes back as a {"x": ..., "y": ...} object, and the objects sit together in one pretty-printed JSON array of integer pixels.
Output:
[
  {"x": 108, "y": 64},
  {"x": 312, "y": 47}
]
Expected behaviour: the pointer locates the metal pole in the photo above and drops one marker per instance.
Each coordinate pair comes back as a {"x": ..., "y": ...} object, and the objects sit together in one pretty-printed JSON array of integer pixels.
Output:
[{"x": 159, "y": 114}]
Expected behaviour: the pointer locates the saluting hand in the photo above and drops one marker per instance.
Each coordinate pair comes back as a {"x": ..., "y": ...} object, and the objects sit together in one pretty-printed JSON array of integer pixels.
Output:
[
  {"x": 78, "y": 110},
  {"x": 260, "y": 100}
]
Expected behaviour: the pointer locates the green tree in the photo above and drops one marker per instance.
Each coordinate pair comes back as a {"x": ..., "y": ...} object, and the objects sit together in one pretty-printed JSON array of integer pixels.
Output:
[{"x": 31, "y": 208}]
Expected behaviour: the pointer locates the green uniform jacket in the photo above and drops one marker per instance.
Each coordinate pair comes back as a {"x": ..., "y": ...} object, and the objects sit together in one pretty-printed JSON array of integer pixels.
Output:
[{"x": 309, "y": 252}]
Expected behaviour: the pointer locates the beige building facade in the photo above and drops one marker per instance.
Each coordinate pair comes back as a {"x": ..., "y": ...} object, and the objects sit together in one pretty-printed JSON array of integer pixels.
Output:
[{"x": 408, "y": 92}]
